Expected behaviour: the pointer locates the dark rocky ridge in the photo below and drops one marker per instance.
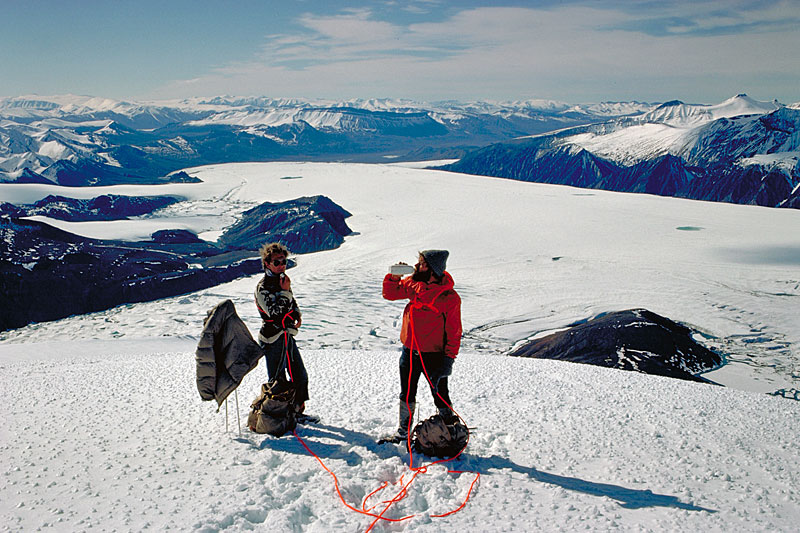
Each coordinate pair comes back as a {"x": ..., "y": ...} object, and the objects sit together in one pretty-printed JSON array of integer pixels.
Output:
[
  {"x": 635, "y": 339},
  {"x": 104, "y": 207},
  {"x": 307, "y": 224},
  {"x": 47, "y": 273}
]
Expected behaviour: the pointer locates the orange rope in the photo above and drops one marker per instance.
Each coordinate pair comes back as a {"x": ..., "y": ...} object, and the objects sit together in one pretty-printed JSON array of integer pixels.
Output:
[{"x": 336, "y": 484}]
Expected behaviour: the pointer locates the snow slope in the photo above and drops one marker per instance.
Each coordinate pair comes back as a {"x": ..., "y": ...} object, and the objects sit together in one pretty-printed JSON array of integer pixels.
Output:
[
  {"x": 104, "y": 429},
  {"x": 112, "y": 436},
  {"x": 679, "y": 114}
]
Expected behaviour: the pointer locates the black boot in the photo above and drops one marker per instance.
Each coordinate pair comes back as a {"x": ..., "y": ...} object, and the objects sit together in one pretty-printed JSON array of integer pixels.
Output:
[
  {"x": 405, "y": 414},
  {"x": 448, "y": 415}
]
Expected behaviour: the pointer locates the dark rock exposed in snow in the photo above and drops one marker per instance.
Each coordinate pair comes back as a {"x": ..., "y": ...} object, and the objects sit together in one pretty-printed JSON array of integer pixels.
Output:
[
  {"x": 181, "y": 177},
  {"x": 303, "y": 225},
  {"x": 636, "y": 339},
  {"x": 175, "y": 236},
  {"x": 47, "y": 273},
  {"x": 11, "y": 210},
  {"x": 105, "y": 207}
]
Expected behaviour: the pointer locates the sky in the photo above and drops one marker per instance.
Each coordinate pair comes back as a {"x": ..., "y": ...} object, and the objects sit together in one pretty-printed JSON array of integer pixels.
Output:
[{"x": 576, "y": 51}]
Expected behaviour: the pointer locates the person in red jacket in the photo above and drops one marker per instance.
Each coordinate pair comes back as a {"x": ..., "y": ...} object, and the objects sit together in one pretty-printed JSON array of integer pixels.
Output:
[{"x": 431, "y": 334}]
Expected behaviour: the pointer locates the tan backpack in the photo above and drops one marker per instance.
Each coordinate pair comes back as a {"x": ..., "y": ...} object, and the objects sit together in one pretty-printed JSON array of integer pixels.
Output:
[{"x": 273, "y": 411}]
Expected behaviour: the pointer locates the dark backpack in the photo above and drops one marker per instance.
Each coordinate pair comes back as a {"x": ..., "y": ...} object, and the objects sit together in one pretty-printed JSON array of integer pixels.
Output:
[
  {"x": 273, "y": 411},
  {"x": 436, "y": 438}
]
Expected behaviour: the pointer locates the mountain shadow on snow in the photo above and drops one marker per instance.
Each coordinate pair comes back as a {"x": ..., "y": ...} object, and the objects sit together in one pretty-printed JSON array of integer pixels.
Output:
[{"x": 635, "y": 339}]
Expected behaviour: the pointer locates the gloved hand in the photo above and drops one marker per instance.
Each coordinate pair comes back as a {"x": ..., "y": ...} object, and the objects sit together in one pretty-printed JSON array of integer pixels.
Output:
[
  {"x": 445, "y": 370},
  {"x": 447, "y": 366}
]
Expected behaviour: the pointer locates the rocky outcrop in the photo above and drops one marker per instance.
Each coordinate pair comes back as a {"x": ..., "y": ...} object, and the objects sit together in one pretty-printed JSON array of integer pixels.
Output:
[
  {"x": 104, "y": 207},
  {"x": 47, "y": 273},
  {"x": 636, "y": 339},
  {"x": 303, "y": 225},
  {"x": 175, "y": 236}
]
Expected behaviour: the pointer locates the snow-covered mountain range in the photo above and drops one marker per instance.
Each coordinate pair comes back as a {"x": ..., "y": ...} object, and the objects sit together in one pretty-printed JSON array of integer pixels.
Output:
[
  {"x": 75, "y": 140},
  {"x": 740, "y": 151}
]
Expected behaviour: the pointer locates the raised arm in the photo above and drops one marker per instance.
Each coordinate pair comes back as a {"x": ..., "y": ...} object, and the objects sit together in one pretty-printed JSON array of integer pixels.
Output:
[{"x": 396, "y": 288}]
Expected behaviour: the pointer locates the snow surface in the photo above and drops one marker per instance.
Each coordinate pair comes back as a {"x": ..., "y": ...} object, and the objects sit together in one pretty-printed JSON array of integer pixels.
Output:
[
  {"x": 104, "y": 429},
  {"x": 696, "y": 114},
  {"x": 112, "y": 436},
  {"x": 53, "y": 149},
  {"x": 634, "y": 143},
  {"x": 786, "y": 161}
]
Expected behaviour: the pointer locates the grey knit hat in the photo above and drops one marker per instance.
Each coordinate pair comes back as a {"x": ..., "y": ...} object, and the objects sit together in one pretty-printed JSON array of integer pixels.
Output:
[{"x": 436, "y": 259}]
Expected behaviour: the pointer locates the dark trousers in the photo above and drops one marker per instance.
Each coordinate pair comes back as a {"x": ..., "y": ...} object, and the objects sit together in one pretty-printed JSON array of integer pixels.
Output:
[
  {"x": 410, "y": 364},
  {"x": 275, "y": 356}
]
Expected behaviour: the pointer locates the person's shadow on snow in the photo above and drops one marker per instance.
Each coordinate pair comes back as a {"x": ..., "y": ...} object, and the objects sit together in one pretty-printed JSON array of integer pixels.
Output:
[
  {"x": 628, "y": 498},
  {"x": 312, "y": 435}
]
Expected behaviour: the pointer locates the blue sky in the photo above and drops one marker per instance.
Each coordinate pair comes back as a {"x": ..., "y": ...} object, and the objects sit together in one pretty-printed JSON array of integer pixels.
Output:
[{"x": 573, "y": 51}]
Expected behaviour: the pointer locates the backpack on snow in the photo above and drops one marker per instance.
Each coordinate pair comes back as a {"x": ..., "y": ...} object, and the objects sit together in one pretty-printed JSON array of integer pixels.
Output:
[
  {"x": 436, "y": 438},
  {"x": 273, "y": 411}
]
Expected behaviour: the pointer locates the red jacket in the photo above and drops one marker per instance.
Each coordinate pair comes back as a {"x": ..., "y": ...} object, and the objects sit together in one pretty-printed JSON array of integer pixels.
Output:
[{"x": 434, "y": 312}]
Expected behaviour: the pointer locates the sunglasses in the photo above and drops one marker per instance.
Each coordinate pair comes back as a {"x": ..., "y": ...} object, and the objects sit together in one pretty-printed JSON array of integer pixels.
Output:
[{"x": 278, "y": 262}]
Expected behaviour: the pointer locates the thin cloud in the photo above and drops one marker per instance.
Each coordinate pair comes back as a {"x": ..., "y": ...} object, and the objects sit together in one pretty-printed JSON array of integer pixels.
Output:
[
  {"x": 680, "y": 26},
  {"x": 520, "y": 52}
]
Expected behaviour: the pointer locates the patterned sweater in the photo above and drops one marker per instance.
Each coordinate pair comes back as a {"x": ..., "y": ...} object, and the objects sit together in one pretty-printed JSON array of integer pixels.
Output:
[{"x": 278, "y": 309}]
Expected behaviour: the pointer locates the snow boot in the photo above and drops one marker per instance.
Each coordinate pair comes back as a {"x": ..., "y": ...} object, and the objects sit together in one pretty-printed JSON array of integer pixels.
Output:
[
  {"x": 304, "y": 418},
  {"x": 405, "y": 414}
]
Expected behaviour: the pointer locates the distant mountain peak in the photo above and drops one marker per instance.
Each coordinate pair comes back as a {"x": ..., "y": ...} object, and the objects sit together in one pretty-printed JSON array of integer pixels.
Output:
[
  {"x": 679, "y": 114},
  {"x": 671, "y": 103}
]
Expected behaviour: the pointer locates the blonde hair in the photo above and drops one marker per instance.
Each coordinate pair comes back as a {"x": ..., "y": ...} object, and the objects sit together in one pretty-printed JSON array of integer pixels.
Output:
[{"x": 268, "y": 250}]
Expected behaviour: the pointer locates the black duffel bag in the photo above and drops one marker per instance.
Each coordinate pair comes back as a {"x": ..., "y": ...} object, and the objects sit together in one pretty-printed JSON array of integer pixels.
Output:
[{"x": 436, "y": 438}]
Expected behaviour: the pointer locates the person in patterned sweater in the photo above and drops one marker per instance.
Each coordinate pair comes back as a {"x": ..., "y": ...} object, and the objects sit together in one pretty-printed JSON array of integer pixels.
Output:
[{"x": 281, "y": 319}]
